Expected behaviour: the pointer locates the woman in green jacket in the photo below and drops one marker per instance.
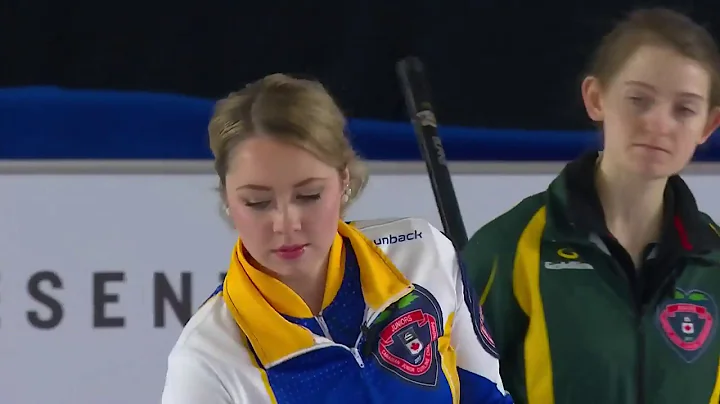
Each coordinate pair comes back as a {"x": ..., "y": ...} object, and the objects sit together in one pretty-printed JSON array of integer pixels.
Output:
[{"x": 604, "y": 288}]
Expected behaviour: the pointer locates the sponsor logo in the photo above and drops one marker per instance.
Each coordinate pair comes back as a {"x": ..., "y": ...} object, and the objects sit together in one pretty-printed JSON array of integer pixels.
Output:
[
  {"x": 407, "y": 341},
  {"x": 571, "y": 263},
  {"x": 568, "y": 265},
  {"x": 688, "y": 321},
  {"x": 567, "y": 254},
  {"x": 398, "y": 238}
]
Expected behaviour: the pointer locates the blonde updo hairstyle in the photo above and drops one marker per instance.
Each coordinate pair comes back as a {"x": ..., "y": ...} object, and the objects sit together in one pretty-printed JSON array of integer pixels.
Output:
[{"x": 296, "y": 111}]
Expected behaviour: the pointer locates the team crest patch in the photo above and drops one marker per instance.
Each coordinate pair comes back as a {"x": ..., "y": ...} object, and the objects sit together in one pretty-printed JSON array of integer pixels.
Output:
[
  {"x": 407, "y": 341},
  {"x": 688, "y": 322}
]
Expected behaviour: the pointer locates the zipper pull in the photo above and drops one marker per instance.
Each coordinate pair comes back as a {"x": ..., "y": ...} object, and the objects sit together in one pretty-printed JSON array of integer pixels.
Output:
[{"x": 357, "y": 357}]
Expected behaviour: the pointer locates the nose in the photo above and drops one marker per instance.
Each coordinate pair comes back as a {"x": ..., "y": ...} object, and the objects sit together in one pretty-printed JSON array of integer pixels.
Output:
[
  {"x": 286, "y": 219},
  {"x": 660, "y": 120}
]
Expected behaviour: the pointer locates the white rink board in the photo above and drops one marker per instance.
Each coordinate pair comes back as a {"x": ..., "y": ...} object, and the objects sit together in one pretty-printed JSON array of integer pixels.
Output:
[{"x": 77, "y": 226}]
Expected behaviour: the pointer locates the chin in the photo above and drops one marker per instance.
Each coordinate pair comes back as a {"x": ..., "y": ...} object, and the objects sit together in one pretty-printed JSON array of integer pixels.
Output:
[
  {"x": 653, "y": 170},
  {"x": 289, "y": 268},
  {"x": 284, "y": 268}
]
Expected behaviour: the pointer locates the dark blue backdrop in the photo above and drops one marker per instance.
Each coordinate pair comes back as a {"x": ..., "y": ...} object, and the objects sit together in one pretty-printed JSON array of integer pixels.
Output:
[{"x": 53, "y": 123}]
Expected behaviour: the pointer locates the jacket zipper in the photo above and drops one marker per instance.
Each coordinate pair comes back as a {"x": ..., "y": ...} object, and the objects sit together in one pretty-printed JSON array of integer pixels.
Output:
[
  {"x": 323, "y": 326},
  {"x": 636, "y": 298},
  {"x": 640, "y": 372},
  {"x": 353, "y": 350}
]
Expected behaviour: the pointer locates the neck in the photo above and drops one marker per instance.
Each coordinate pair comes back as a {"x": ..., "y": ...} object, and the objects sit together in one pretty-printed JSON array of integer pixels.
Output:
[
  {"x": 309, "y": 286},
  {"x": 633, "y": 207}
]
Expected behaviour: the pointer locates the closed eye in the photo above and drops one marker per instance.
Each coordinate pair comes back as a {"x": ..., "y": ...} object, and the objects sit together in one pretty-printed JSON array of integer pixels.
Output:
[
  {"x": 257, "y": 205},
  {"x": 309, "y": 198},
  {"x": 686, "y": 111}
]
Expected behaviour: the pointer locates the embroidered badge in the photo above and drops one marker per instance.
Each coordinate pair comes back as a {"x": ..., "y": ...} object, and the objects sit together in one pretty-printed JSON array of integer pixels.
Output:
[
  {"x": 407, "y": 341},
  {"x": 688, "y": 322}
]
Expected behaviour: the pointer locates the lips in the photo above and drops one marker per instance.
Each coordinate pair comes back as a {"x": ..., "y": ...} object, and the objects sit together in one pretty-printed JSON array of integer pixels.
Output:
[
  {"x": 291, "y": 252},
  {"x": 290, "y": 248},
  {"x": 653, "y": 147}
]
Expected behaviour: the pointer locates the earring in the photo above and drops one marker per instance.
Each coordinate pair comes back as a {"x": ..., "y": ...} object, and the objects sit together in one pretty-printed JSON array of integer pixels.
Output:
[
  {"x": 227, "y": 211},
  {"x": 346, "y": 195}
]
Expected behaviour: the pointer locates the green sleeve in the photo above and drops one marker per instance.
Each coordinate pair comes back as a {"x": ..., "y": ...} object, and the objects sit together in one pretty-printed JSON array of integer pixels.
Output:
[{"x": 489, "y": 259}]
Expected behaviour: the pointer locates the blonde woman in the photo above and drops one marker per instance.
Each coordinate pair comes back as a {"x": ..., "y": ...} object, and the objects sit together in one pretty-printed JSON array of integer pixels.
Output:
[{"x": 313, "y": 309}]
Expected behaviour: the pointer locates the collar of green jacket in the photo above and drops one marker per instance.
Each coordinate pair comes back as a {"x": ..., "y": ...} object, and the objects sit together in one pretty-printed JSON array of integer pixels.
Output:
[{"x": 574, "y": 208}]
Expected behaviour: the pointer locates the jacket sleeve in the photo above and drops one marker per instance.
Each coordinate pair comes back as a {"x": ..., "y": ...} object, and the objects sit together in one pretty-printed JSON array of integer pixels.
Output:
[
  {"x": 489, "y": 264},
  {"x": 190, "y": 380},
  {"x": 477, "y": 359},
  {"x": 488, "y": 260},
  {"x": 475, "y": 356}
]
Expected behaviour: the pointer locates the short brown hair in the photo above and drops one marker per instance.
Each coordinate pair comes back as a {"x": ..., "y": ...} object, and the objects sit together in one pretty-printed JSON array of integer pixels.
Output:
[
  {"x": 661, "y": 27},
  {"x": 296, "y": 111}
]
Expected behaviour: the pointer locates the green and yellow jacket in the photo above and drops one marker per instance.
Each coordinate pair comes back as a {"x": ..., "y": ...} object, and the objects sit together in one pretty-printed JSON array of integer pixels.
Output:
[{"x": 575, "y": 322}]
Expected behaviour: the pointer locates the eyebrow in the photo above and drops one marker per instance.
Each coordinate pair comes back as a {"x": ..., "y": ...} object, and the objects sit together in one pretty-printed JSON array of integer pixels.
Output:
[
  {"x": 651, "y": 87},
  {"x": 257, "y": 187}
]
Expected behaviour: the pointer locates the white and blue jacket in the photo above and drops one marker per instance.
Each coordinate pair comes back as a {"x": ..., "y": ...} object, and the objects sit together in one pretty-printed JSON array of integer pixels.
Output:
[{"x": 399, "y": 325}]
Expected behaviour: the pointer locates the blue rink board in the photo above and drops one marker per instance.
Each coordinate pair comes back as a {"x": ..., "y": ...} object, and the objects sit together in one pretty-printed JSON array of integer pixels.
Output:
[{"x": 55, "y": 123}]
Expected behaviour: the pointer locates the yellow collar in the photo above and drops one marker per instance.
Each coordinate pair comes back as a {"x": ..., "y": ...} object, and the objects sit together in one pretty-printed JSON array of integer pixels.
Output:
[
  {"x": 256, "y": 300},
  {"x": 285, "y": 300}
]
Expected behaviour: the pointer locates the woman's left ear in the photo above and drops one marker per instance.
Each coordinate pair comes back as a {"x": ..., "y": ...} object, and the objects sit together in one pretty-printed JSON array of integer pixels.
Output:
[{"x": 713, "y": 122}]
